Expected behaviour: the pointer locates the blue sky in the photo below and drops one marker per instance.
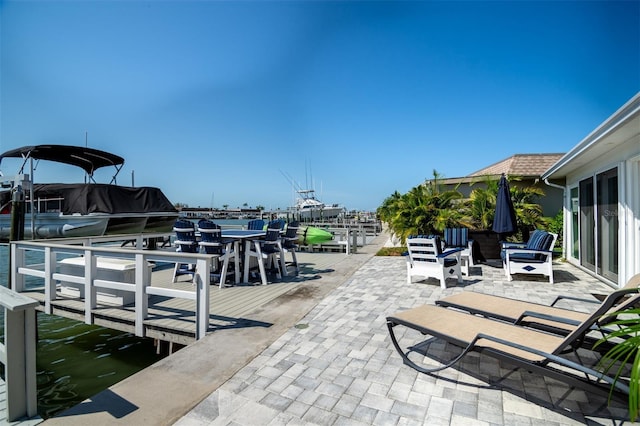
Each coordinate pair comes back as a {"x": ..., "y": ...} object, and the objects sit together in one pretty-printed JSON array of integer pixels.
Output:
[{"x": 216, "y": 101}]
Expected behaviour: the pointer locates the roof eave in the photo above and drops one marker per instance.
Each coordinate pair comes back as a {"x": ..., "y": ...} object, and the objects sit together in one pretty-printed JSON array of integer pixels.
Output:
[{"x": 614, "y": 122}]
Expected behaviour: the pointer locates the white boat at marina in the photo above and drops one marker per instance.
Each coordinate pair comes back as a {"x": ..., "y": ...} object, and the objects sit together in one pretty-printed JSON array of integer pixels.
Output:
[
  {"x": 308, "y": 207},
  {"x": 54, "y": 210}
]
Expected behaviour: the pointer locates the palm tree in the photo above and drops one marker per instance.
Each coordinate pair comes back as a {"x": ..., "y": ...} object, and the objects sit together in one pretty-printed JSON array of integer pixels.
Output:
[
  {"x": 429, "y": 208},
  {"x": 425, "y": 209},
  {"x": 528, "y": 213},
  {"x": 481, "y": 205},
  {"x": 389, "y": 206}
]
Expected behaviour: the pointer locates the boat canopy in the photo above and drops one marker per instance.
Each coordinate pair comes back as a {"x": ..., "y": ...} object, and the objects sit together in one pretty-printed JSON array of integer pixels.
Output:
[{"x": 89, "y": 159}]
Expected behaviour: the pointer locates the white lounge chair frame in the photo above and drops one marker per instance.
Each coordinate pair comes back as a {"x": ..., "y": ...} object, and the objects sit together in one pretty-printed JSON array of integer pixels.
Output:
[
  {"x": 514, "y": 265},
  {"x": 426, "y": 259}
]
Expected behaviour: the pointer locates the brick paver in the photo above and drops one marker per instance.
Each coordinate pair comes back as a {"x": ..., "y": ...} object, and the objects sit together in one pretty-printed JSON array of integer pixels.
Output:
[{"x": 339, "y": 366}]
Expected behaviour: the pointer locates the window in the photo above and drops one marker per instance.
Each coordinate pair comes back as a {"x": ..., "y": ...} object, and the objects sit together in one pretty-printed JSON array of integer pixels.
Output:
[{"x": 575, "y": 223}]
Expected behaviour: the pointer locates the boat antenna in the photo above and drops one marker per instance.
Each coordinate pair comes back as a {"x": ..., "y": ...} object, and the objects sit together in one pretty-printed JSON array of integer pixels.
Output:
[
  {"x": 295, "y": 186},
  {"x": 291, "y": 181}
]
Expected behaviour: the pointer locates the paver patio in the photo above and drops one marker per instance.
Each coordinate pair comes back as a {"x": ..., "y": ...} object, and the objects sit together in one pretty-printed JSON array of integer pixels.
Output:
[{"x": 338, "y": 366}]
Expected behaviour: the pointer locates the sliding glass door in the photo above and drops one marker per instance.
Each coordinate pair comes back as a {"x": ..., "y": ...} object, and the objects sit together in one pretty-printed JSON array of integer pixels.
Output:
[
  {"x": 587, "y": 225},
  {"x": 598, "y": 224},
  {"x": 607, "y": 224}
]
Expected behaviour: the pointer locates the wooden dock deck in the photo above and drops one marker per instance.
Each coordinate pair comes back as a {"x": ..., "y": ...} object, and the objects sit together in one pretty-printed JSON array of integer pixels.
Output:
[{"x": 174, "y": 320}]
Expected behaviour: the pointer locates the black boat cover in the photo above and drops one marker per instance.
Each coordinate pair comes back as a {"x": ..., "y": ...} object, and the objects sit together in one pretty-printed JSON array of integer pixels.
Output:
[{"x": 100, "y": 198}]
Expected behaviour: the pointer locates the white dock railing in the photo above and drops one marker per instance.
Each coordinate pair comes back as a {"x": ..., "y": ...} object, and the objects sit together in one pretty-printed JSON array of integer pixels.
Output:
[
  {"x": 18, "y": 354},
  {"x": 90, "y": 283}
]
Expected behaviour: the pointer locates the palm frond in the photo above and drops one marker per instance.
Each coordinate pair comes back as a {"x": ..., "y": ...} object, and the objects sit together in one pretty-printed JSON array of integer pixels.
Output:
[{"x": 626, "y": 345}]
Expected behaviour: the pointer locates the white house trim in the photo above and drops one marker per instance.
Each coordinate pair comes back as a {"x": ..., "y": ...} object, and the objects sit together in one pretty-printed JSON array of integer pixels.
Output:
[{"x": 614, "y": 145}]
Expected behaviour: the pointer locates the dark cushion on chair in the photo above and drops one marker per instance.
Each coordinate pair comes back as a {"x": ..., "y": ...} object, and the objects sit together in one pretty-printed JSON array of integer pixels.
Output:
[
  {"x": 539, "y": 240},
  {"x": 546, "y": 246},
  {"x": 450, "y": 262},
  {"x": 211, "y": 237},
  {"x": 456, "y": 237},
  {"x": 438, "y": 244},
  {"x": 256, "y": 224},
  {"x": 185, "y": 236}
]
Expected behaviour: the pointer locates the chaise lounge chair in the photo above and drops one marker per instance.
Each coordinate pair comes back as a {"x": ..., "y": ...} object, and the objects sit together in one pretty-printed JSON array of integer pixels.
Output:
[
  {"x": 545, "y": 317},
  {"x": 534, "y": 350}
]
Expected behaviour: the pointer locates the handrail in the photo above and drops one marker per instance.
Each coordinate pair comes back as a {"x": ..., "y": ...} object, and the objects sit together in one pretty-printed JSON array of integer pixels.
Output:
[
  {"x": 141, "y": 287},
  {"x": 18, "y": 354}
]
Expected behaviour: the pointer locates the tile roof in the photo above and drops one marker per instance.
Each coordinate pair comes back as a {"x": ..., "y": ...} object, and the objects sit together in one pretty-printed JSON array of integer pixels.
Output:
[{"x": 524, "y": 165}]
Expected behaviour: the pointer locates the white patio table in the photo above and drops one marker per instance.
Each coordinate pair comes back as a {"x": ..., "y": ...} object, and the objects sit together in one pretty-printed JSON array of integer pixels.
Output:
[{"x": 249, "y": 237}]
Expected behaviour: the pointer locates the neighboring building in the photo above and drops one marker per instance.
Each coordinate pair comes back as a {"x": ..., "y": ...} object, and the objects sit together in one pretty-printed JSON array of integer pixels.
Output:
[
  {"x": 528, "y": 168},
  {"x": 601, "y": 181},
  {"x": 211, "y": 213}
]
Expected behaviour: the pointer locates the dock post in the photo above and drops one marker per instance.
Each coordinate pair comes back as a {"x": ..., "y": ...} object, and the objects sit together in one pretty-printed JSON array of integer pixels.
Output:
[
  {"x": 201, "y": 279},
  {"x": 19, "y": 354},
  {"x": 16, "y": 233},
  {"x": 354, "y": 243},
  {"x": 17, "y": 215},
  {"x": 142, "y": 281}
]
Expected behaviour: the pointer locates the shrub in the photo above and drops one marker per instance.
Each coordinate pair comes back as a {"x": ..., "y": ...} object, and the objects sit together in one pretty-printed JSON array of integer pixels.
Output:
[{"x": 391, "y": 251}]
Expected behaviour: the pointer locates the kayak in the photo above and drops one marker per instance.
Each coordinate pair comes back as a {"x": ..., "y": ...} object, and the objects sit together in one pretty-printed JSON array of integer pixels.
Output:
[{"x": 313, "y": 235}]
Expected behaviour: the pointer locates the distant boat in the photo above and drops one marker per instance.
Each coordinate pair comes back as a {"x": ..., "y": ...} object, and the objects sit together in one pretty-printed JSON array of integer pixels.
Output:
[
  {"x": 55, "y": 210},
  {"x": 308, "y": 207}
]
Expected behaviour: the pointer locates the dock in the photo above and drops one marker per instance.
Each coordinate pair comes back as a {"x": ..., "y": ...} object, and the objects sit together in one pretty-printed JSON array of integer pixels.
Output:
[{"x": 172, "y": 319}]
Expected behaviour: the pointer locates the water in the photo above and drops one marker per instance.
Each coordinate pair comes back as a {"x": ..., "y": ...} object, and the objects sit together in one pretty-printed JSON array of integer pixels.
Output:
[{"x": 75, "y": 361}]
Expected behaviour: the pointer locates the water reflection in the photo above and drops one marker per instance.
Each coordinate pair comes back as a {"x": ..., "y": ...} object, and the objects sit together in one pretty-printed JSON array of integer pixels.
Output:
[{"x": 76, "y": 361}]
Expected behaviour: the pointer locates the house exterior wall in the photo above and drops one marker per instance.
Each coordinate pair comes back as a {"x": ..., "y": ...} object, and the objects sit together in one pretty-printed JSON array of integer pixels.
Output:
[
  {"x": 552, "y": 202},
  {"x": 625, "y": 158}
]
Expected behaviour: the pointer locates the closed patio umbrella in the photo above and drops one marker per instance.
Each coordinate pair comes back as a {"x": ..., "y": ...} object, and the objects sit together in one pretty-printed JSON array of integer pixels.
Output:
[{"x": 504, "y": 221}]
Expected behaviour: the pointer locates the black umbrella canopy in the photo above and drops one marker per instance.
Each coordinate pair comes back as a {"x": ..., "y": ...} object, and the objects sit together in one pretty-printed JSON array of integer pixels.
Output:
[{"x": 504, "y": 221}]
